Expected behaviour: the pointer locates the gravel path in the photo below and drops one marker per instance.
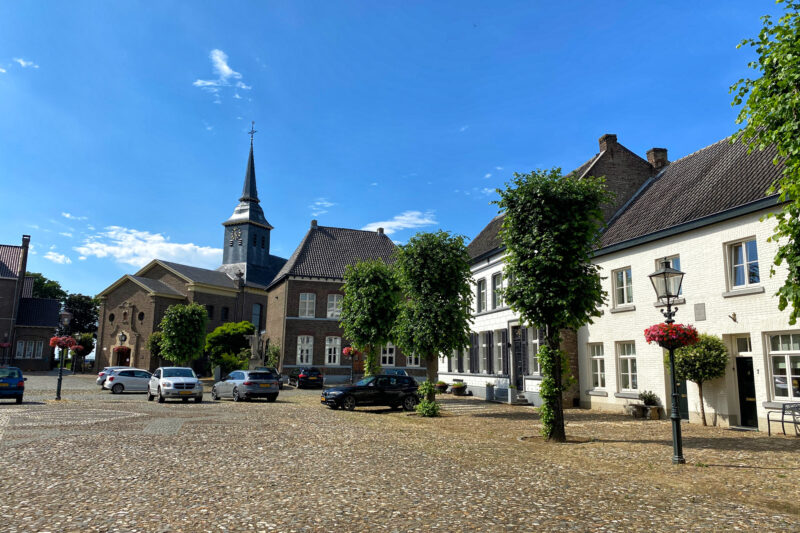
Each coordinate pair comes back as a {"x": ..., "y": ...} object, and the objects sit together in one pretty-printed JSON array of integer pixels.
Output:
[{"x": 100, "y": 462}]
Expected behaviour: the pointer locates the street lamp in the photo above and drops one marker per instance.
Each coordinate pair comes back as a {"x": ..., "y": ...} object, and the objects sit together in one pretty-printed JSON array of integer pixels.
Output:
[
  {"x": 122, "y": 338},
  {"x": 66, "y": 318},
  {"x": 667, "y": 283}
]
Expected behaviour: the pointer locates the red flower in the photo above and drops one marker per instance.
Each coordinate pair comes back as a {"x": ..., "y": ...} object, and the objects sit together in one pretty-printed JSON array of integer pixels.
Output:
[
  {"x": 5, "y": 345},
  {"x": 63, "y": 342},
  {"x": 671, "y": 335}
]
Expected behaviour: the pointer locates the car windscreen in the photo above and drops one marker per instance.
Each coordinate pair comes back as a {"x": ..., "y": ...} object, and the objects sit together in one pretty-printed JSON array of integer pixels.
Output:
[
  {"x": 260, "y": 375},
  {"x": 178, "y": 373},
  {"x": 364, "y": 382},
  {"x": 10, "y": 373}
]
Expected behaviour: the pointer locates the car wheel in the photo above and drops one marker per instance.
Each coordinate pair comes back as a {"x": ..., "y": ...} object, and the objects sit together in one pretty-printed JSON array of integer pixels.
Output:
[
  {"x": 394, "y": 407},
  {"x": 184, "y": 400},
  {"x": 272, "y": 397},
  {"x": 160, "y": 396},
  {"x": 117, "y": 388},
  {"x": 236, "y": 397},
  {"x": 349, "y": 403},
  {"x": 214, "y": 395},
  {"x": 19, "y": 399},
  {"x": 198, "y": 399},
  {"x": 149, "y": 396},
  {"x": 409, "y": 403}
]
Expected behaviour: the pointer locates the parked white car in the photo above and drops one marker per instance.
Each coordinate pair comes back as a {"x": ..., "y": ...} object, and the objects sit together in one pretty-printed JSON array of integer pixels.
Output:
[
  {"x": 127, "y": 380},
  {"x": 103, "y": 374},
  {"x": 174, "y": 382}
]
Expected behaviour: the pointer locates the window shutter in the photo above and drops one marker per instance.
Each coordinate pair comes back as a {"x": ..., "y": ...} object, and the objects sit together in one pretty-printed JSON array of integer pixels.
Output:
[
  {"x": 504, "y": 338},
  {"x": 473, "y": 353},
  {"x": 524, "y": 333},
  {"x": 450, "y": 362},
  {"x": 490, "y": 352},
  {"x": 460, "y": 362}
]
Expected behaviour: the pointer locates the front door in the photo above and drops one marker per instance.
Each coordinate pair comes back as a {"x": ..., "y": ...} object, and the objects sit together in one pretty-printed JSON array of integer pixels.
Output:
[
  {"x": 124, "y": 359},
  {"x": 747, "y": 392},
  {"x": 519, "y": 356},
  {"x": 683, "y": 400}
]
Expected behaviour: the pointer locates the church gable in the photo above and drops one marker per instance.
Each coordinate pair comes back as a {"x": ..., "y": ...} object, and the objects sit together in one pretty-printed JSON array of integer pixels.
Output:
[{"x": 157, "y": 272}]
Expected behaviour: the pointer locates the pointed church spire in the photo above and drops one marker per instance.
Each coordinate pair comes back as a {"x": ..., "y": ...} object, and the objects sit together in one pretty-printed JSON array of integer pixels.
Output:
[{"x": 249, "y": 192}]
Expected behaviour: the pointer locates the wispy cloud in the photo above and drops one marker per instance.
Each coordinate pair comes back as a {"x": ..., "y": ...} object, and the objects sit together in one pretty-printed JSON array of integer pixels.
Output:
[
  {"x": 374, "y": 184},
  {"x": 70, "y": 216},
  {"x": 498, "y": 168},
  {"x": 236, "y": 95},
  {"x": 487, "y": 191},
  {"x": 2, "y": 70},
  {"x": 32, "y": 249},
  {"x": 65, "y": 234},
  {"x": 320, "y": 206},
  {"x": 225, "y": 74},
  {"x": 56, "y": 257},
  {"x": 487, "y": 175},
  {"x": 464, "y": 128},
  {"x": 25, "y": 64},
  {"x": 137, "y": 248},
  {"x": 405, "y": 220}
]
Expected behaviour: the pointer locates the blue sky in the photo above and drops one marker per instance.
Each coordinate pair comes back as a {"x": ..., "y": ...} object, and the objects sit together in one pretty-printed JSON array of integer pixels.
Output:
[{"x": 123, "y": 123}]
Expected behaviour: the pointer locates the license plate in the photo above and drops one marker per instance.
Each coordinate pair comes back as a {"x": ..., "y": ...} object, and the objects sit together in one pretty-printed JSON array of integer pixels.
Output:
[
  {"x": 265, "y": 385},
  {"x": 312, "y": 378},
  {"x": 185, "y": 392},
  {"x": 3, "y": 384}
]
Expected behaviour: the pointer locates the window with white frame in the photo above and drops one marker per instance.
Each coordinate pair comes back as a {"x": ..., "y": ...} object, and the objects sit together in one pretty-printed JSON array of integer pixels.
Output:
[
  {"x": 498, "y": 352},
  {"x": 333, "y": 350},
  {"x": 623, "y": 286},
  {"x": 305, "y": 349},
  {"x": 533, "y": 351},
  {"x": 413, "y": 360},
  {"x": 481, "y": 300},
  {"x": 785, "y": 366},
  {"x": 30, "y": 349},
  {"x": 387, "y": 355},
  {"x": 497, "y": 290},
  {"x": 744, "y": 264},
  {"x": 21, "y": 349},
  {"x": 628, "y": 379},
  {"x": 598, "y": 366},
  {"x": 483, "y": 354},
  {"x": 335, "y": 305},
  {"x": 308, "y": 301}
]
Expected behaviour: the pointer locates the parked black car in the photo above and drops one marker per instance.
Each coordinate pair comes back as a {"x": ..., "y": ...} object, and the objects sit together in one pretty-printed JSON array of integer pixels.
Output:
[
  {"x": 307, "y": 376},
  {"x": 274, "y": 371},
  {"x": 391, "y": 391}
]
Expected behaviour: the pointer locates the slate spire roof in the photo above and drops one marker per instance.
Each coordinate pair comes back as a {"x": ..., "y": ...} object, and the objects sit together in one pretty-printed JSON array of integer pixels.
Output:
[{"x": 249, "y": 208}]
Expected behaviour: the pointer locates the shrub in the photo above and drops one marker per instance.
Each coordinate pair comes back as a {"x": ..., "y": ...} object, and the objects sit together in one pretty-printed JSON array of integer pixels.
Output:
[
  {"x": 427, "y": 408},
  {"x": 649, "y": 398},
  {"x": 425, "y": 388}
]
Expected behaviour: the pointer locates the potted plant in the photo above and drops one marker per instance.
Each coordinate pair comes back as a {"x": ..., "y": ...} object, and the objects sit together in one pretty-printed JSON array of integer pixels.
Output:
[
  {"x": 459, "y": 388},
  {"x": 489, "y": 392},
  {"x": 651, "y": 403},
  {"x": 441, "y": 387}
]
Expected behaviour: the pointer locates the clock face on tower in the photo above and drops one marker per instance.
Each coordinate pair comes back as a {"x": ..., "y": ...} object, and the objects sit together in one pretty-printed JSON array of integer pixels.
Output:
[{"x": 235, "y": 234}]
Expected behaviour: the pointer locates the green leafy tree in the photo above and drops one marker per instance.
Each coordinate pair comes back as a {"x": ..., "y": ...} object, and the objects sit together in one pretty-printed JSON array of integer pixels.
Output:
[
  {"x": 435, "y": 311},
  {"x": 154, "y": 346},
  {"x": 273, "y": 355},
  {"x": 369, "y": 308},
  {"x": 46, "y": 288},
  {"x": 550, "y": 229},
  {"x": 84, "y": 311},
  {"x": 701, "y": 362},
  {"x": 770, "y": 113},
  {"x": 225, "y": 344},
  {"x": 183, "y": 333}
]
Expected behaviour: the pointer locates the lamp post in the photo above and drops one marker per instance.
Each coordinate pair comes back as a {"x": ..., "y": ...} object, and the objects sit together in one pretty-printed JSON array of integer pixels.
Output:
[
  {"x": 667, "y": 283},
  {"x": 66, "y": 318}
]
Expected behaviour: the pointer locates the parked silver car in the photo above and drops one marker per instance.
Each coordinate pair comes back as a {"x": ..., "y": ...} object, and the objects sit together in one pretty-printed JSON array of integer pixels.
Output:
[
  {"x": 103, "y": 374},
  {"x": 245, "y": 385},
  {"x": 174, "y": 382},
  {"x": 127, "y": 380}
]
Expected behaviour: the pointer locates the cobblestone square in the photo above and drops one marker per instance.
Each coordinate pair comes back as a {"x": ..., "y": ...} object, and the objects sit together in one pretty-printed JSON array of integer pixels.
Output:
[{"x": 101, "y": 462}]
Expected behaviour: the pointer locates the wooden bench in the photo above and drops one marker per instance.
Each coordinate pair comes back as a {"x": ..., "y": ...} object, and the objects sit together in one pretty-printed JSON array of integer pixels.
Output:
[{"x": 790, "y": 412}]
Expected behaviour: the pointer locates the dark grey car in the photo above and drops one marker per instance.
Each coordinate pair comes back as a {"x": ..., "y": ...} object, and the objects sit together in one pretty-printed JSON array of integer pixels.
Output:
[{"x": 246, "y": 384}]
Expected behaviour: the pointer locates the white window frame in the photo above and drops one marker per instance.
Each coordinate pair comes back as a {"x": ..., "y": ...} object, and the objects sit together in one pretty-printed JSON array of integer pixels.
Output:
[
  {"x": 20, "y": 354},
  {"x": 481, "y": 295},
  {"x": 498, "y": 352},
  {"x": 388, "y": 354},
  {"x": 497, "y": 297},
  {"x": 534, "y": 368},
  {"x": 335, "y": 305},
  {"x": 308, "y": 304},
  {"x": 746, "y": 262},
  {"x": 627, "y": 286},
  {"x": 597, "y": 365},
  {"x": 414, "y": 360},
  {"x": 787, "y": 352},
  {"x": 627, "y": 366},
  {"x": 333, "y": 351},
  {"x": 305, "y": 349}
]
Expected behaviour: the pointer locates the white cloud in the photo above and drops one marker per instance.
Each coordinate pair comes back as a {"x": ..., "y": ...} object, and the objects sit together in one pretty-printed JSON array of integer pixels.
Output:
[
  {"x": 487, "y": 175},
  {"x": 241, "y": 85},
  {"x": 236, "y": 95},
  {"x": 487, "y": 191},
  {"x": 31, "y": 249},
  {"x": 137, "y": 248},
  {"x": 405, "y": 220},
  {"x": 52, "y": 246},
  {"x": 219, "y": 64},
  {"x": 71, "y": 217},
  {"x": 56, "y": 257},
  {"x": 374, "y": 184},
  {"x": 65, "y": 233},
  {"x": 498, "y": 168},
  {"x": 2, "y": 70},
  {"x": 25, "y": 64},
  {"x": 90, "y": 227},
  {"x": 82, "y": 258},
  {"x": 464, "y": 128},
  {"x": 320, "y": 206}
]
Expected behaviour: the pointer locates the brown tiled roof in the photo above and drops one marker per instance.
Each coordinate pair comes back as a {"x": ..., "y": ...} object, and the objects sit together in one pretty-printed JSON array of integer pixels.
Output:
[
  {"x": 325, "y": 252},
  {"x": 9, "y": 260},
  {"x": 38, "y": 312},
  {"x": 715, "y": 179},
  {"x": 487, "y": 240}
]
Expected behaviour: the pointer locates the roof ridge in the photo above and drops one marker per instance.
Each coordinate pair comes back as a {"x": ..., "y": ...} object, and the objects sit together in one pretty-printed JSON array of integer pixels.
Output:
[
  {"x": 348, "y": 229},
  {"x": 698, "y": 151}
]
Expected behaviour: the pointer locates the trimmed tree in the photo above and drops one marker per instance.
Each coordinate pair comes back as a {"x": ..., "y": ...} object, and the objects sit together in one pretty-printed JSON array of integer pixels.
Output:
[
  {"x": 84, "y": 311},
  {"x": 226, "y": 345},
  {"x": 154, "y": 346},
  {"x": 435, "y": 311},
  {"x": 46, "y": 288},
  {"x": 86, "y": 343},
  {"x": 369, "y": 308},
  {"x": 770, "y": 113},
  {"x": 183, "y": 333},
  {"x": 551, "y": 227},
  {"x": 704, "y": 361},
  {"x": 273, "y": 357}
]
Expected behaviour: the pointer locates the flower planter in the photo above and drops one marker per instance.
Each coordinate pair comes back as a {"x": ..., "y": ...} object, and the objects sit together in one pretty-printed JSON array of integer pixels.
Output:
[
  {"x": 459, "y": 391},
  {"x": 441, "y": 389},
  {"x": 653, "y": 412}
]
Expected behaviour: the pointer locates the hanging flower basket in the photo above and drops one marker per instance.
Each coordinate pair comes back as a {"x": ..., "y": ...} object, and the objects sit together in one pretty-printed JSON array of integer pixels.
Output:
[
  {"x": 671, "y": 336},
  {"x": 63, "y": 342}
]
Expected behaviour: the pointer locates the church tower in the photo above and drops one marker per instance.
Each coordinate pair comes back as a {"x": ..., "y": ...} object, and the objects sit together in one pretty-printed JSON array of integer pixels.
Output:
[{"x": 246, "y": 241}]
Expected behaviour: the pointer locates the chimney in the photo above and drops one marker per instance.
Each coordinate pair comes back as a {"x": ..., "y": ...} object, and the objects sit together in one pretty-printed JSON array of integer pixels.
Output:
[
  {"x": 313, "y": 224},
  {"x": 380, "y": 231},
  {"x": 608, "y": 141},
  {"x": 657, "y": 157}
]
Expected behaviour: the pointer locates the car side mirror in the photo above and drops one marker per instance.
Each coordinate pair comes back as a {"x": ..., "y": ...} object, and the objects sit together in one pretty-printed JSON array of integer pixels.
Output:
[{"x": 24, "y": 379}]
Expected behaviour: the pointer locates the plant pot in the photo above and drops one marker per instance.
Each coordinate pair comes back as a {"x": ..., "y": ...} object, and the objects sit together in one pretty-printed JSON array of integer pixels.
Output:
[
  {"x": 459, "y": 391},
  {"x": 653, "y": 412},
  {"x": 441, "y": 389}
]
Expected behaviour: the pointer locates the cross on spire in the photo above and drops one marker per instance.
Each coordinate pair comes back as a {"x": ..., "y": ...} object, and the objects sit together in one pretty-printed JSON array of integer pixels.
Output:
[{"x": 252, "y": 130}]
